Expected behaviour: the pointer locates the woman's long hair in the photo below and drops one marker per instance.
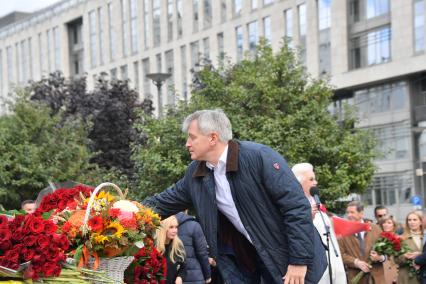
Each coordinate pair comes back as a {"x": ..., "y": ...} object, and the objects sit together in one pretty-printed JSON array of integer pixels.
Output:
[
  {"x": 177, "y": 250},
  {"x": 407, "y": 231}
]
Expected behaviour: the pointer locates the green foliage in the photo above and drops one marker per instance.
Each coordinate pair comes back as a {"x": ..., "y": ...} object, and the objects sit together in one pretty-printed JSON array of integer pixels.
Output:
[
  {"x": 271, "y": 100},
  {"x": 37, "y": 148}
]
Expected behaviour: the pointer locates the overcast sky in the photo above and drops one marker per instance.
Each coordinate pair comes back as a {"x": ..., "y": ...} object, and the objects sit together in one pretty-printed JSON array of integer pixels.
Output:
[{"x": 8, "y": 6}]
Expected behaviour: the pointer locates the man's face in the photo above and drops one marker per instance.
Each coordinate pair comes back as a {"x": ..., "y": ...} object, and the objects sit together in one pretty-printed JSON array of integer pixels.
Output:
[
  {"x": 353, "y": 214},
  {"x": 380, "y": 213},
  {"x": 308, "y": 181},
  {"x": 29, "y": 208},
  {"x": 197, "y": 143}
]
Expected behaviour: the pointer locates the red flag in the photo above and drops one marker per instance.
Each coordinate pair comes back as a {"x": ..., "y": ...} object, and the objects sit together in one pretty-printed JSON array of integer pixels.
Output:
[
  {"x": 322, "y": 208},
  {"x": 343, "y": 227}
]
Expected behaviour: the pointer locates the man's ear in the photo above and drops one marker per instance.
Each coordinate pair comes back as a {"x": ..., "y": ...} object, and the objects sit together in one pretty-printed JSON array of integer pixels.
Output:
[{"x": 214, "y": 138}]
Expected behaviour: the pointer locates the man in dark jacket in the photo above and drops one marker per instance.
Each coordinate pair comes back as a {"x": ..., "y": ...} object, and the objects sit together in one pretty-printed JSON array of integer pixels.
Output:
[
  {"x": 197, "y": 256},
  {"x": 250, "y": 206}
]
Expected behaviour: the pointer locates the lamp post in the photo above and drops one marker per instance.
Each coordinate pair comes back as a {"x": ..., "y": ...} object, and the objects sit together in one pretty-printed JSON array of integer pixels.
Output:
[{"x": 158, "y": 79}]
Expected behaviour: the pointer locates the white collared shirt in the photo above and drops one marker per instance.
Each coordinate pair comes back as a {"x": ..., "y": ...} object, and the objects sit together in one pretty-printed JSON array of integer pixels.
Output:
[{"x": 224, "y": 200}]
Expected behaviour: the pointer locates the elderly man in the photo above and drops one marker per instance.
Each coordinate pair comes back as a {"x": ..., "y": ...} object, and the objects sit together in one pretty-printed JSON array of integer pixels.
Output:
[
  {"x": 357, "y": 249},
  {"x": 304, "y": 173},
  {"x": 249, "y": 205}
]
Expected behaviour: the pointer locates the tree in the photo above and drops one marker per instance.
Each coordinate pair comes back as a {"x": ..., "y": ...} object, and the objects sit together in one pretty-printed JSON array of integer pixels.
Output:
[
  {"x": 271, "y": 100},
  {"x": 37, "y": 148},
  {"x": 109, "y": 111}
]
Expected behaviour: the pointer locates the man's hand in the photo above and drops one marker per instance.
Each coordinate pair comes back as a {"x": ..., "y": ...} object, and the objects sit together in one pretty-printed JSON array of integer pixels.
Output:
[
  {"x": 374, "y": 256},
  {"x": 314, "y": 210},
  {"x": 209, "y": 280},
  {"x": 178, "y": 280},
  {"x": 412, "y": 255},
  {"x": 295, "y": 274},
  {"x": 212, "y": 262},
  {"x": 364, "y": 266}
]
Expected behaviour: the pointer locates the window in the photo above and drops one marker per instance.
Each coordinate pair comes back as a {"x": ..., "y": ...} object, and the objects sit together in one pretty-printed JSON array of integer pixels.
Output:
[
  {"x": 239, "y": 39},
  {"x": 146, "y": 23},
  {"x": 253, "y": 4},
  {"x": 390, "y": 189},
  {"x": 361, "y": 10},
  {"x": 206, "y": 46},
  {"x": 113, "y": 74},
  {"x": 207, "y": 14},
  {"x": 112, "y": 34},
  {"x": 1, "y": 72},
  {"x": 195, "y": 54},
  {"x": 156, "y": 19},
  {"x": 9, "y": 61},
  {"x": 184, "y": 72},
  {"x": 223, "y": 11},
  {"x": 124, "y": 72},
  {"x": 267, "y": 2},
  {"x": 419, "y": 25},
  {"x": 57, "y": 48},
  {"x": 124, "y": 27},
  {"x": 253, "y": 36},
  {"x": 267, "y": 28},
  {"x": 372, "y": 47},
  {"x": 324, "y": 23},
  {"x": 237, "y": 7},
  {"x": 195, "y": 15},
  {"x": 159, "y": 62},
  {"x": 92, "y": 38},
  {"x": 134, "y": 34},
  {"x": 288, "y": 29},
  {"x": 101, "y": 19},
  {"x": 136, "y": 75},
  {"x": 302, "y": 32},
  {"x": 170, "y": 82},
  {"x": 377, "y": 8},
  {"x": 169, "y": 20},
  {"x": 49, "y": 50},
  {"x": 324, "y": 14},
  {"x": 24, "y": 61},
  {"x": 146, "y": 80},
  {"x": 41, "y": 51},
  {"x": 179, "y": 18},
  {"x": 220, "y": 46},
  {"x": 17, "y": 62},
  {"x": 30, "y": 58}
]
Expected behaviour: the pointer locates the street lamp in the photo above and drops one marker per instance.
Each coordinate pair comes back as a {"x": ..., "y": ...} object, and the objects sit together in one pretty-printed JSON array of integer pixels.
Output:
[{"x": 158, "y": 79}]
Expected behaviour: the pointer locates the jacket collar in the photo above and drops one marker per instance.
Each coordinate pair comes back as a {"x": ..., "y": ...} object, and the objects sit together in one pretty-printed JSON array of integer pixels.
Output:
[{"x": 231, "y": 161}]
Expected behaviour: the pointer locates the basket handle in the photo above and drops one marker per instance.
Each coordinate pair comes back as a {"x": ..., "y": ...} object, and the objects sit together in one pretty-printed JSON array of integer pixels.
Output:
[{"x": 92, "y": 199}]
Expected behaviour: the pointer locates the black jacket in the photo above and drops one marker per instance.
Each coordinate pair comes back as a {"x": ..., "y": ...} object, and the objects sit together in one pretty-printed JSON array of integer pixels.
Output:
[
  {"x": 269, "y": 201},
  {"x": 421, "y": 260},
  {"x": 174, "y": 269},
  {"x": 197, "y": 259}
]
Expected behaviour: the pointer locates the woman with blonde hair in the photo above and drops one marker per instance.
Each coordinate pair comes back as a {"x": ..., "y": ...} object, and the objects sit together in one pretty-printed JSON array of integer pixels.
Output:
[
  {"x": 388, "y": 224},
  {"x": 171, "y": 247},
  {"x": 413, "y": 237}
]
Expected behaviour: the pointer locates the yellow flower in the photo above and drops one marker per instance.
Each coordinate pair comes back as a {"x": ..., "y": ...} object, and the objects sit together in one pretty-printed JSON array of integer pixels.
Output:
[
  {"x": 105, "y": 195},
  {"x": 100, "y": 239},
  {"x": 114, "y": 229}
]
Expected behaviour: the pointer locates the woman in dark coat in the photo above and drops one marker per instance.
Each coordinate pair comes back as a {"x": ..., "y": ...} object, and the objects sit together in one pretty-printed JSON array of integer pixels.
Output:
[{"x": 197, "y": 259}]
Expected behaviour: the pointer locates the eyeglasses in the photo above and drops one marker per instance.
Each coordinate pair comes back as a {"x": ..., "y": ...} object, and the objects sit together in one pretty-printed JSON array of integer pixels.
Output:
[{"x": 381, "y": 215}]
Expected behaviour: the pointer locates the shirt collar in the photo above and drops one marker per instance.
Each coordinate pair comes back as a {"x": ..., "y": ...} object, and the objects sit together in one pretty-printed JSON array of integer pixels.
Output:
[{"x": 222, "y": 160}]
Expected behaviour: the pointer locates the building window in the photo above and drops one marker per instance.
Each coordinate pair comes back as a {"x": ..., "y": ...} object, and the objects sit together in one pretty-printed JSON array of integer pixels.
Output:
[
  {"x": 195, "y": 55},
  {"x": 24, "y": 62},
  {"x": 49, "y": 50},
  {"x": 288, "y": 29},
  {"x": 41, "y": 51},
  {"x": 9, "y": 61},
  {"x": 134, "y": 34},
  {"x": 146, "y": 80},
  {"x": 179, "y": 18},
  {"x": 302, "y": 32},
  {"x": 57, "y": 48},
  {"x": 370, "y": 48},
  {"x": 324, "y": 14},
  {"x": 101, "y": 19},
  {"x": 184, "y": 72},
  {"x": 267, "y": 2},
  {"x": 1, "y": 72},
  {"x": 195, "y": 15},
  {"x": 113, "y": 74},
  {"x": 206, "y": 46},
  {"x": 253, "y": 4},
  {"x": 393, "y": 142},
  {"x": 169, "y": 20},
  {"x": 252, "y": 37},
  {"x": 377, "y": 8},
  {"x": 124, "y": 72},
  {"x": 222, "y": 11},
  {"x": 238, "y": 6},
  {"x": 207, "y": 14},
  {"x": 146, "y": 23},
  {"x": 170, "y": 82},
  {"x": 92, "y": 38},
  {"x": 324, "y": 23},
  {"x": 159, "y": 63},
  {"x": 361, "y": 10},
  {"x": 112, "y": 34},
  {"x": 30, "y": 58},
  {"x": 124, "y": 27},
  {"x": 136, "y": 75},
  {"x": 419, "y": 25},
  {"x": 220, "y": 47},
  {"x": 239, "y": 40},
  {"x": 156, "y": 21},
  {"x": 390, "y": 189},
  {"x": 267, "y": 28}
]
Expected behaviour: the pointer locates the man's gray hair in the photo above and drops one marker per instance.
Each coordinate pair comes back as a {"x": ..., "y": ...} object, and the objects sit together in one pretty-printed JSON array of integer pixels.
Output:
[
  {"x": 300, "y": 169},
  {"x": 210, "y": 121}
]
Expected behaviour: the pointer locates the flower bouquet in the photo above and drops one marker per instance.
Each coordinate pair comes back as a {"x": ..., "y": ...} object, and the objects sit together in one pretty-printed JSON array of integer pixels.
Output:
[
  {"x": 387, "y": 244},
  {"x": 105, "y": 230}
]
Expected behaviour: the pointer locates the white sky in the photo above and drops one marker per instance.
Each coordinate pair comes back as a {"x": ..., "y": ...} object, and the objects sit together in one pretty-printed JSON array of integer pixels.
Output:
[{"x": 8, "y": 6}]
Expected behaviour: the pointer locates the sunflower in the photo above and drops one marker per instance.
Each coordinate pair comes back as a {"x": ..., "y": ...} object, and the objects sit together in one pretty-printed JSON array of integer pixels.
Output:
[
  {"x": 100, "y": 239},
  {"x": 114, "y": 229}
]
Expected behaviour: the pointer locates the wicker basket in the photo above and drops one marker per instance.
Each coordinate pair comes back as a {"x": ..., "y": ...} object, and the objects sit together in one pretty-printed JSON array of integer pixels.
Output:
[{"x": 114, "y": 267}]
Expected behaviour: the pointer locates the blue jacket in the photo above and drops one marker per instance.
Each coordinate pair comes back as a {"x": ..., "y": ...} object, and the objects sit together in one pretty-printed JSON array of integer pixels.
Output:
[
  {"x": 269, "y": 201},
  {"x": 197, "y": 257}
]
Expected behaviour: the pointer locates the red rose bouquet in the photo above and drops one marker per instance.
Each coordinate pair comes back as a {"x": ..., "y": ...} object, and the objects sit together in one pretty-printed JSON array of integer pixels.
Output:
[{"x": 387, "y": 244}]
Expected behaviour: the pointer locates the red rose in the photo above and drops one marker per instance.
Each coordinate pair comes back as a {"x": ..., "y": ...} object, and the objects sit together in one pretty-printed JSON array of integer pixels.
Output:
[
  {"x": 18, "y": 235},
  {"x": 61, "y": 241},
  {"x": 62, "y": 204},
  {"x": 30, "y": 240},
  {"x": 43, "y": 241},
  {"x": 12, "y": 255},
  {"x": 34, "y": 224},
  {"x": 114, "y": 212},
  {"x": 50, "y": 227},
  {"x": 5, "y": 235},
  {"x": 4, "y": 222},
  {"x": 5, "y": 245},
  {"x": 28, "y": 254},
  {"x": 16, "y": 222}
]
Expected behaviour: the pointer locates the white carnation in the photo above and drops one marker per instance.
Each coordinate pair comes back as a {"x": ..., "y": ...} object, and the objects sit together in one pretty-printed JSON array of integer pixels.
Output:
[{"x": 125, "y": 205}]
